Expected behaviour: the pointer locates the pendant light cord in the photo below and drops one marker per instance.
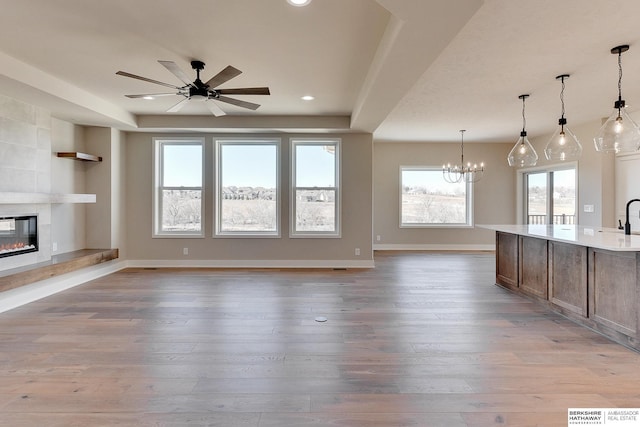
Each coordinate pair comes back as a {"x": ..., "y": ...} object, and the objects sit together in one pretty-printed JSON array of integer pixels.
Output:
[
  {"x": 562, "y": 119},
  {"x": 462, "y": 131},
  {"x": 619, "y": 81},
  {"x": 562, "y": 97},
  {"x": 524, "y": 119},
  {"x": 620, "y": 75}
]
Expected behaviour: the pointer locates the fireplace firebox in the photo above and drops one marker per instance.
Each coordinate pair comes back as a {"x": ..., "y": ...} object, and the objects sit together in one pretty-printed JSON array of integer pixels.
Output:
[{"x": 18, "y": 235}]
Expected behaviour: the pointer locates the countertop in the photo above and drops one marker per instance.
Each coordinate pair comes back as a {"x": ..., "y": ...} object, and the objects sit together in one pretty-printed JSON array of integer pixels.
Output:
[{"x": 610, "y": 239}]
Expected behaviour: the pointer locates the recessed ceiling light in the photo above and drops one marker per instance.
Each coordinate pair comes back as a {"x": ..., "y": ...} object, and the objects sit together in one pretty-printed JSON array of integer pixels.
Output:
[
  {"x": 148, "y": 97},
  {"x": 308, "y": 98},
  {"x": 299, "y": 2}
]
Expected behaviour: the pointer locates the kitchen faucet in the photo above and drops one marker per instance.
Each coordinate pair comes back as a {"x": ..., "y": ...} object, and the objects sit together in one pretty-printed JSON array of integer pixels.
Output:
[{"x": 627, "y": 225}]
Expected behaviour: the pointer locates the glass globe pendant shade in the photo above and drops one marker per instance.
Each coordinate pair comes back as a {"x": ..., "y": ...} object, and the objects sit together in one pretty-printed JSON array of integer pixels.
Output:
[
  {"x": 618, "y": 134},
  {"x": 522, "y": 154},
  {"x": 563, "y": 145}
]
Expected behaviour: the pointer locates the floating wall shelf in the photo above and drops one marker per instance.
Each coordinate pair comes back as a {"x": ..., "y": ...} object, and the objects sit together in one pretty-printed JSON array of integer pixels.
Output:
[{"x": 75, "y": 155}]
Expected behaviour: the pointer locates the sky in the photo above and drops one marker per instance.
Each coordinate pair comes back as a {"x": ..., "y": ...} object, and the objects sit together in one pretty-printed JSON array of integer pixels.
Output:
[
  {"x": 248, "y": 165},
  {"x": 433, "y": 179},
  {"x": 561, "y": 178}
]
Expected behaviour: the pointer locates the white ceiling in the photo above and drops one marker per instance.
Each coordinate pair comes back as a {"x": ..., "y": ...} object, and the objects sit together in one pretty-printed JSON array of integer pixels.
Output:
[{"x": 407, "y": 70}]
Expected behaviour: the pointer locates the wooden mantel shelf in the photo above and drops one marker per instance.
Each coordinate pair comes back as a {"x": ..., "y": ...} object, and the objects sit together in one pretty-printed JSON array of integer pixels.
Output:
[
  {"x": 59, "y": 264},
  {"x": 75, "y": 155}
]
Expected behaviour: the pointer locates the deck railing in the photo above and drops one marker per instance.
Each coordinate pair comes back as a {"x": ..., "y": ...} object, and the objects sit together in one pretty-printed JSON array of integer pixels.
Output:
[{"x": 557, "y": 219}]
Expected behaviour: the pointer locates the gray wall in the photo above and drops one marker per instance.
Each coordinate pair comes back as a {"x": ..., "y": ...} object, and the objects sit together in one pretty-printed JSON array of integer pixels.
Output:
[
  {"x": 30, "y": 137},
  {"x": 596, "y": 176},
  {"x": 493, "y": 201},
  {"x": 67, "y": 177},
  {"x": 356, "y": 180}
]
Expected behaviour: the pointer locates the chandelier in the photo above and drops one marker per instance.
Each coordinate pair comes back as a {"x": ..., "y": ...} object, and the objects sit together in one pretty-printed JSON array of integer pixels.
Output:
[{"x": 462, "y": 173}]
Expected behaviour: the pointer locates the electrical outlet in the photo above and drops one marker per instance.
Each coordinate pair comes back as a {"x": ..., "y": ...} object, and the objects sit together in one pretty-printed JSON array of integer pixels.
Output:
[
  {"x": 378, "y": 238},
  {"x": 588, "y": 208},
  {"x": 185, "y": 251},
  {"x": 54, "y": 246},
  {"x": 357, "y": 251}
]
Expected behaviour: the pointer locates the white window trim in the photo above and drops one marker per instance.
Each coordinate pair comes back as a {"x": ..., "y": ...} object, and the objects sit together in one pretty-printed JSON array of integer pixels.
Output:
[
  {"x": 217, "y": 233},
  {"x": 337, "y": 233},
  {"x": 468, "y": 202},
  {"x": 157, "y": 167}
]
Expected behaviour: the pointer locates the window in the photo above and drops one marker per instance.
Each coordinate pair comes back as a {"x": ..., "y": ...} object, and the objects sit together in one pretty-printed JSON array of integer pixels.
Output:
[
  {"x": 550, "y": 196},
  {"x": 315, "y": 183},
  {"x": 178, "y": 188},
  {"x": 427, "y": 200},
  {"x": 247, "y": 192}
]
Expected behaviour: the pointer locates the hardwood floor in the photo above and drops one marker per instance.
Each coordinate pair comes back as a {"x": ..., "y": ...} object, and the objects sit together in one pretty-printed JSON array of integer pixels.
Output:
[{"x": 424, "y": 339}]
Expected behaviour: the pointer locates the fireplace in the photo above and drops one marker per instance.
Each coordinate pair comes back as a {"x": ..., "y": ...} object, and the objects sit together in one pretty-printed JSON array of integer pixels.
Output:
[{"x": 18, "y": 235}]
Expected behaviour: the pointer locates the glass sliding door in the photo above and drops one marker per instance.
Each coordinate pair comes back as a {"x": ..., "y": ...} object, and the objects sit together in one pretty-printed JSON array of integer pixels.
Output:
[
  {"x": 564, "y": 196},
  {"x": 550, "y": 197},
  {"x": 537, "y": 198}
]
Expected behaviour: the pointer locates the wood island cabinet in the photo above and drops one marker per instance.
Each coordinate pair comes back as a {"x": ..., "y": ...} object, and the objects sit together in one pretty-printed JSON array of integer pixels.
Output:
[
  {"x": 590, "y": 276},
  {"x": 533, "y": 272},
  {"x": 568, "y": 277},
  {"x": 507, "y": 260},
  {"x": 614, "y": 295}
]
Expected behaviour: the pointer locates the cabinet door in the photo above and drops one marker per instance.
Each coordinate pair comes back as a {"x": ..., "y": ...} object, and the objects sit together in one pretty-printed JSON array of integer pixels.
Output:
[
  {"x": 533, "y": 273},
  {"x": 568, "y": 277},
  {"x": 613, "y": 290},
  {"x": 507, "y": 260}
]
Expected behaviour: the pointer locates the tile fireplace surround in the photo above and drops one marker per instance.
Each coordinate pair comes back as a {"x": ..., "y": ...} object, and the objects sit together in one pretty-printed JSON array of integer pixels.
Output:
[{"x": 39, "y": 204}]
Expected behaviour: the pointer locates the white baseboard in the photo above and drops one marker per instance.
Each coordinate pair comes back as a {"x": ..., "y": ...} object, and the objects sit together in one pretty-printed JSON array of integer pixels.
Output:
[
  {"x": 25, "y": 294},
  {"x": 430, "y": 247},
  {"x": 251, "y": 263}
]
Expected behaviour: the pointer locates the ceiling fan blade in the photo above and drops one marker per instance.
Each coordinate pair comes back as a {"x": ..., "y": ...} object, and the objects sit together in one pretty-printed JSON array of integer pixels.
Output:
[
  {"x": 245, "y": 91},
  {"x": 225, "y": 75},
  {"x": 214, "y": 108},
  {"x": 239, "y": 103},
  {"x": 177, "y": 71},
  {"x": 178, "y": 106},
  {"x": 144, "y": 79},
  {"x": 151, "y": 95}
]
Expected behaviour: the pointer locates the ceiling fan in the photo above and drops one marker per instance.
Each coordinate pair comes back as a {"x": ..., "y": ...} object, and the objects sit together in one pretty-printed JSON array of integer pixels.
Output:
[{"x": 197, "y": 90}]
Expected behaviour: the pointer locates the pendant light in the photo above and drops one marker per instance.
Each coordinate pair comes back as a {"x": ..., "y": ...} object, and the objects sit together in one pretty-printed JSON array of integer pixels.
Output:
[
  {"x": 462, "y": 173},
  {"x": 563, "y": 145},
  {"x": 619, "y": 133},
  {"x": 522, "y": 154}
]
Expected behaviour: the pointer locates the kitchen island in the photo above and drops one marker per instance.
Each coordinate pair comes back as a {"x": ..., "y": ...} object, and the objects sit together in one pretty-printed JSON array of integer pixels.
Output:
[{"x": 588, "y": 274}]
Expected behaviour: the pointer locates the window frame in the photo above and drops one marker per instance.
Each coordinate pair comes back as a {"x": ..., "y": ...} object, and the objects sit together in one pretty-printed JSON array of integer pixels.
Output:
[
  {"x": 337, "y": 188},
  {"x": 158, "y": 187},
  {"x": 469, "y": 211},
  {"x": 217, "y": 229},
  {"x": 549, "y": 170}
]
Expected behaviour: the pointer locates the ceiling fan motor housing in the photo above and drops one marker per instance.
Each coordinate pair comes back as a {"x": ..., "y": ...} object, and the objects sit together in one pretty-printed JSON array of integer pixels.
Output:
[{"x": 201, "y": 91}]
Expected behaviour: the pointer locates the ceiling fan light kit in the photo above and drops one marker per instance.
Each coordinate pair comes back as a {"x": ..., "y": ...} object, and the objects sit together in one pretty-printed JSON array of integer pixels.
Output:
[{"x": 201, "y": 91}]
